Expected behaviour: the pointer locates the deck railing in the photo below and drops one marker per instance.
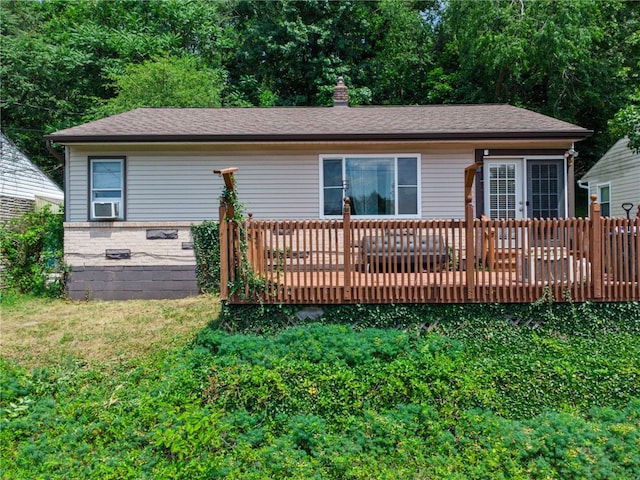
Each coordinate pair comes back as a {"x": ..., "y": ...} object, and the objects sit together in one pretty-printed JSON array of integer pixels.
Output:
[{"x": 430, "y": 261}]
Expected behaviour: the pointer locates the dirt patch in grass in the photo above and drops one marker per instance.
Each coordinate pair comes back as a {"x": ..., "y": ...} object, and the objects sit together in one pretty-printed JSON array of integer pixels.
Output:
[{"x": 37, "y": 332}]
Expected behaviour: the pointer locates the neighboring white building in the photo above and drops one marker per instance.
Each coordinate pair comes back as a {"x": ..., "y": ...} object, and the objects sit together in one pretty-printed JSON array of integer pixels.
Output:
[
  {"x": 615, "y": 179},
  {"x": 23, "y": 185}
]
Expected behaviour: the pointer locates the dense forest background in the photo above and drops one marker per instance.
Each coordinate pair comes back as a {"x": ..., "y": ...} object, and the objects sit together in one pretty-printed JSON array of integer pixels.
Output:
[{"x": 66, "y": 62}]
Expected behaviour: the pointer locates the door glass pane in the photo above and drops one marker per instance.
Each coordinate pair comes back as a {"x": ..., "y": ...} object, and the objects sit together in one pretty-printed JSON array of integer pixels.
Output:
[
  {"x": 545, "y": 189},
  {"x": 502, "y": 191}
]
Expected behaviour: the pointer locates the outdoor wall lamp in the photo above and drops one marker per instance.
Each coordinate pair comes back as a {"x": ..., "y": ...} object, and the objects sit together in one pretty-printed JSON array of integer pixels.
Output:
[{"x": 570, "y": 155}]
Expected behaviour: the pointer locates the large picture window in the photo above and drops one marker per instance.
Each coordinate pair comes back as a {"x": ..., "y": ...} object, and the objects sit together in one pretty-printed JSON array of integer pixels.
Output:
[
  {"x": 378, "y": 186},
  {"x": 106, "y": 188}
]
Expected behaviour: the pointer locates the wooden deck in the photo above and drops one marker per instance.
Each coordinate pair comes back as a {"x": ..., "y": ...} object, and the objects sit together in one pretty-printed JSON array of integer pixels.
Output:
[
  {"x": 432, "y": 261},
  {"x": 331, "y": 288}
]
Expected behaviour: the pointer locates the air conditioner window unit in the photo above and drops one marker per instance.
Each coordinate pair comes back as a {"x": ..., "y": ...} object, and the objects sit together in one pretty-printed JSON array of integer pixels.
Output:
[{"x": 106, "y": 210}]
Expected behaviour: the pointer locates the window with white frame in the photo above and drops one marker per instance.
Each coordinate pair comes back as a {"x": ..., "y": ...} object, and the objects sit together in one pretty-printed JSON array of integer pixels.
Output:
[
  {"x": 604, "y": 199},
  {"x": 378, "y": 185},
  {"x": 106, "y": 178}
]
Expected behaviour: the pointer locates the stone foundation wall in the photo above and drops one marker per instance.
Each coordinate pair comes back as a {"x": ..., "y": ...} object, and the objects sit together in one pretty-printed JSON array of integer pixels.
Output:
[{"x": 132, "y": 282}]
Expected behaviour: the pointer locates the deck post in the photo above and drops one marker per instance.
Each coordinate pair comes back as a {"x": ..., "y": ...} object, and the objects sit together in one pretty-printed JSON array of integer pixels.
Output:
[
  {"x": 470, "y": 254},
  {"x": 346, "y": 245},
  {"x": 595, "y": 247},
  {"x": 224, "y": 252},
  {"x": 254, "y": 255}
]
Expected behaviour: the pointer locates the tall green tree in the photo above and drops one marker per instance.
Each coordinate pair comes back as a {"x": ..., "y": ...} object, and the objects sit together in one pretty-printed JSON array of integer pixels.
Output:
[
  {"x": 626, "y": 122},
  {"x": 296, "y": 50},
  {"x": 59, "y": 58},
  {"x": 164, "y": 82},
  {"x": 42, "y": 84},
  {"x": 404, "y": 69},
  {"x": 565, "y": 58},
  {"x": 65, "y": 62}
]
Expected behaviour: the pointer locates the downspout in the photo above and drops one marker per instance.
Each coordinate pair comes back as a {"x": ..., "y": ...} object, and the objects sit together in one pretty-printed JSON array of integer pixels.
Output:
[
  {"x": 569, "y": 158},
  {"x": 61, "y": 159},
  {"x": 54, "y": 152},
  {"x": 583, "y": 185}
]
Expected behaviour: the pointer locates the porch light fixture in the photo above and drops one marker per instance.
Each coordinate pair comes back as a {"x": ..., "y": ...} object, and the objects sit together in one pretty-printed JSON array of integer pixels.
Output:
[{"x": 570, "y": 155}]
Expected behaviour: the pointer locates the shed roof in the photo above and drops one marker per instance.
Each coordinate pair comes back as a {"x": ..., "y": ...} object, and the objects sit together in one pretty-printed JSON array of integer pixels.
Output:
[{"x": 428, "y": 122}]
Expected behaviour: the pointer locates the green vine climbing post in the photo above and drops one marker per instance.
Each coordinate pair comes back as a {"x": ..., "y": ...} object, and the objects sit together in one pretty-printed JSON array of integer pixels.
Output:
[
  {"x": 230, "y": 190},
  {"x": 226, "y": 214},
  {"x": 224, "y": 252},
  {"x": 242, "y": 280}
]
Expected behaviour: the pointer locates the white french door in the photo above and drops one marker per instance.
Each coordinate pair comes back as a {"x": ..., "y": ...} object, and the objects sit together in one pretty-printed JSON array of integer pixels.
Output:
[
  {"x": 503, "y": 191},
  {"x": 504, "y": 197}
]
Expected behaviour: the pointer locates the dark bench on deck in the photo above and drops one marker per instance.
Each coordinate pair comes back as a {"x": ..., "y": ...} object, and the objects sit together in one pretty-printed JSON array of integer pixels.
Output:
[{"x": 403, "y": 252}]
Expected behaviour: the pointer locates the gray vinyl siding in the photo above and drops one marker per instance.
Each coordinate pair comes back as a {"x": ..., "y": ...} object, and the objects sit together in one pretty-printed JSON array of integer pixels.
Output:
[
  {"x": 77, "y": 190},
  {"x": 279, "y": 186},
  {"x": 619, "y": 167},
  {"x": 443, "y": 183},
  {"x": 171, "y": 184},
  {"x": 168, "y": 186}
]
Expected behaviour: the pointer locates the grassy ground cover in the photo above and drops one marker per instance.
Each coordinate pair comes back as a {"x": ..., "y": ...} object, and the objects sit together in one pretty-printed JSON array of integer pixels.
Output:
[{"x": 154, "y": 390}]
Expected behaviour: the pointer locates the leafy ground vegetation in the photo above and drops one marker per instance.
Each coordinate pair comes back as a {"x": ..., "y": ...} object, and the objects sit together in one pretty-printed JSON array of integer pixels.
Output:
[{"x": 472, "y": 396}]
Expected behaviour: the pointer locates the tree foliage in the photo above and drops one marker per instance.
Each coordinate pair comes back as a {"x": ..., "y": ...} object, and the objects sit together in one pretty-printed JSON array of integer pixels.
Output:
[
  {"x": 626, "y": 122},
  {"x": 567, "y": 59},
  {"x": 60, "y": 58},
  {"x": 31, "y": 253},
  {"x": 296, "y": 50},
  {"x": 67, "y": 62},
  {"x": 164, "y": 82}
]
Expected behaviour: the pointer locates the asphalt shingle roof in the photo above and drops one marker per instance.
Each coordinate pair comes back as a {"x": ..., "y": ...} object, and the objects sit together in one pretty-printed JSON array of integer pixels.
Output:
[{"x": 429, "y": 122}]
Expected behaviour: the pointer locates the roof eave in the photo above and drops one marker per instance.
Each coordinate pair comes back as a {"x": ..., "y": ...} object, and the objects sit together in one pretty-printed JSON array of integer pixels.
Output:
[{"x": 575, "y": 135}]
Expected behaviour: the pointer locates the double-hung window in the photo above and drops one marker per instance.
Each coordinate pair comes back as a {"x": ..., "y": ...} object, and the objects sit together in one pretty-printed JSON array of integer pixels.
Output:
[
  {"x": 106, "y": 179},
  {"x": 377, "y": 185},
  {"x": 604, "y": 199}
]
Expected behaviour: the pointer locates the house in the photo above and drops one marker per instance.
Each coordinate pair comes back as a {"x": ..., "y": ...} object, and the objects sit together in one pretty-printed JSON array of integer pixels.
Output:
[
  {"x": 23, "y": 186},
  {"x": 136, "y": 181},
  {"x": 615, "y": 179}
]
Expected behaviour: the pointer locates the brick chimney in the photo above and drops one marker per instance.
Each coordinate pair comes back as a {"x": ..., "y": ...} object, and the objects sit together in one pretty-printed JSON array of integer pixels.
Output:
[{"x": 341, "y": 94}]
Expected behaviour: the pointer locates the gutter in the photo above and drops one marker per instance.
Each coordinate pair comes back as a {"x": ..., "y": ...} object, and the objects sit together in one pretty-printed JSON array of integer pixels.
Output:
[
  {"x": 151, "y": 138},
  {"x": 583, "y": 185}
]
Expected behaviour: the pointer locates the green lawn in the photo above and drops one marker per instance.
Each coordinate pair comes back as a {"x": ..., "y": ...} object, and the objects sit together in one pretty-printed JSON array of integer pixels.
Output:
[{"x": 473, "y": 399}]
